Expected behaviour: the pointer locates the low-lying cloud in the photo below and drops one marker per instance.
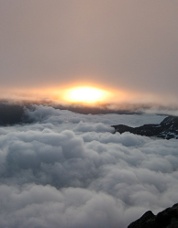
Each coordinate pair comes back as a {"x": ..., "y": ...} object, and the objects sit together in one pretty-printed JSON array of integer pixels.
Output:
[{"x": 69, "y": 170}]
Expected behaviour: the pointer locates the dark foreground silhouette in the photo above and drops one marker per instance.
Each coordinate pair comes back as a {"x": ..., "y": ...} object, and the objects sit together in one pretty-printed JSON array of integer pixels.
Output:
[
  {"x": 167, "y": 129},
  {"x": 168, "y": 218}
]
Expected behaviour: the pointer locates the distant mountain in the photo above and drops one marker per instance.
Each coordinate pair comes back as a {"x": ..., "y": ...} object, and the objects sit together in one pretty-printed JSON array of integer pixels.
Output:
[
  {"x": 167, "y": 129},
  {"x": 11, "y": 114},
  {"x": 14, "y": 113},
  {"x": 168, "y": 218}
]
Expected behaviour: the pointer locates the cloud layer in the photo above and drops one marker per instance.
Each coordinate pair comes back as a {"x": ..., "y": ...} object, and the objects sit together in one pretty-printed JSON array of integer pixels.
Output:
[{"x": 69, "y": 170}]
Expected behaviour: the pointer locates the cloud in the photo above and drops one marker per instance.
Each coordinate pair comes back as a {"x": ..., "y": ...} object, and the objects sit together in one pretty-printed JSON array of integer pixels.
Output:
[
  {"x": 69, "y": 170},
  {"x": 46, "y": 206}
]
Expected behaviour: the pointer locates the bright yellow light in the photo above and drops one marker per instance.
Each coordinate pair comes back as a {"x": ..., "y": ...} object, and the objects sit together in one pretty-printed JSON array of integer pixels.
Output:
[{"x": 85, "y": 95}]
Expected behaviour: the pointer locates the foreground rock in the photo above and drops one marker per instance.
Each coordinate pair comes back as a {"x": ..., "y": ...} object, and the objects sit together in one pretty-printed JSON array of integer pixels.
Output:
[
  {"x": 167, "y": 129},
  {"x": 165, "y": 219}
]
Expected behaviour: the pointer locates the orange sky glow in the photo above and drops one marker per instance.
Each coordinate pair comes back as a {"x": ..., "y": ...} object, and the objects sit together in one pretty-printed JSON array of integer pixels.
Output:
[
  {"x": 125, "y": 49},
  {"x": 78, "y": 94},
  {"x": 82, "y": 94}
]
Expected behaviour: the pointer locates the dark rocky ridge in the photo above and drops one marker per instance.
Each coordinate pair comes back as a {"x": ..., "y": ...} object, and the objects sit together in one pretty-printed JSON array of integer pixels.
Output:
[
  {"x": 168, "y": 218},
  {"x": 167, "y": 129}
]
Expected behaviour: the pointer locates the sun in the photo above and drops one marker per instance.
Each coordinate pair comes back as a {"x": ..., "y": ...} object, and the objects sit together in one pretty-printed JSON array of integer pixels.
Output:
[{"x": 85, "y": 95}]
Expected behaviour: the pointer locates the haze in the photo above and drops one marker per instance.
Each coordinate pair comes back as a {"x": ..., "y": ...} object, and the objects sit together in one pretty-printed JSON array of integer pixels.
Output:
[{"x": 121, "y": 45}]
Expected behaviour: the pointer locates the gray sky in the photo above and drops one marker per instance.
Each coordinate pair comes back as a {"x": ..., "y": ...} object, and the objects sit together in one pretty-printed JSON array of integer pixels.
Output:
[{"x": 122, "y": 44}]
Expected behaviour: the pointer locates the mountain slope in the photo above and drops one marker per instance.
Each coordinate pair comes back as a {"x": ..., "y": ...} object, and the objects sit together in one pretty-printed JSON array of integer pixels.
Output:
[{"x": 167, "y": 129}]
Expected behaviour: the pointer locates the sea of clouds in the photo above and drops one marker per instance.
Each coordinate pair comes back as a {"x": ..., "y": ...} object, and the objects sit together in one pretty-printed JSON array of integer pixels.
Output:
[{"x": 69, "y": 170}]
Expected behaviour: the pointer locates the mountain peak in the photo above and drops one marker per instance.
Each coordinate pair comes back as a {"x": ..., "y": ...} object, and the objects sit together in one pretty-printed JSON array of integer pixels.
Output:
[{"x": 167, "y": 129}]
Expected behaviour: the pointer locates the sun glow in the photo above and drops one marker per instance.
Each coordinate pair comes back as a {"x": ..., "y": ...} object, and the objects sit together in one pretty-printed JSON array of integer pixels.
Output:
[
  {"x": 86, "y": 95},
  {"x": 71, "y": 95}
]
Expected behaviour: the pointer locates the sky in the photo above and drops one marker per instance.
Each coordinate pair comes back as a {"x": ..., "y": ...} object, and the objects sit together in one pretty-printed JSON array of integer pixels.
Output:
[
  {"x": 68, "y": 170},
  {"x": 124, "y": 46}
]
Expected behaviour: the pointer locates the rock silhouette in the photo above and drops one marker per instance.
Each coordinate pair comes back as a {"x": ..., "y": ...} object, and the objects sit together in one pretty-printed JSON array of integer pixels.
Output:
[
  {"x": 167, "y": 129},
  {"x": 168, "y": 218}
]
